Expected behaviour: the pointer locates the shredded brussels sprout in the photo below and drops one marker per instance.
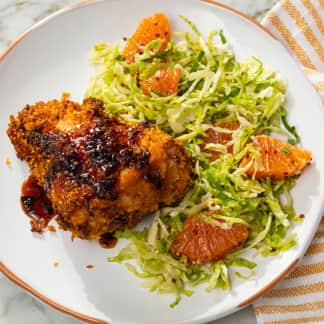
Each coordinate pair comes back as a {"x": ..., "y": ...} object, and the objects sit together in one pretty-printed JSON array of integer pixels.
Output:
[{"x": 214, "y": 88}]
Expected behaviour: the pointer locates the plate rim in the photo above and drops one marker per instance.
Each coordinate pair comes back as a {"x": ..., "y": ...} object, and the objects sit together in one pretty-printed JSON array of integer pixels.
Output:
[{"x": 9, "y": 274}]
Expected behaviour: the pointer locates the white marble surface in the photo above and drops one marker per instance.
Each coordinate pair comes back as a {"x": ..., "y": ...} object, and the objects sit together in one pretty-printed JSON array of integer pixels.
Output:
[{"x": 16, "y": 306}]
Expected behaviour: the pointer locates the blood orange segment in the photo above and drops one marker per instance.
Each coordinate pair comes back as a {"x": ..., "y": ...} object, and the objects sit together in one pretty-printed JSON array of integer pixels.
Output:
[
  {"x": 278, "y": 159},
  {"x": 164, "y": 82},
  {"x": 216, "y": 137},
  {"x": 149, "y": 29},
  {"x": 201, "y": 242}
]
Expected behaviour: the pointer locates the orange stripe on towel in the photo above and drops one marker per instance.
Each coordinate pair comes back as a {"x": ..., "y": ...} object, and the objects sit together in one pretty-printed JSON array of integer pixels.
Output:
[
  {"x": 292, "y": 43},
  {"x": 271, "y": 309},
  {"x": 307, "y": 31}
]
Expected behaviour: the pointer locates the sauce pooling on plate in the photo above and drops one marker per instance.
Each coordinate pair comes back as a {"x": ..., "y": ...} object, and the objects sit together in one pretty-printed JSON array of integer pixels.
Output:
[
  {"x": 108, "y": 241},
  {"x": 36, "y": 205}
]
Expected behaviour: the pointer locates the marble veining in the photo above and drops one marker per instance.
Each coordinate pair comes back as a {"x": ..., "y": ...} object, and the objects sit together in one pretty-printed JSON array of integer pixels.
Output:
[
  {"x": 18, "y": 15},
  {"x": 16, "y": 306}
]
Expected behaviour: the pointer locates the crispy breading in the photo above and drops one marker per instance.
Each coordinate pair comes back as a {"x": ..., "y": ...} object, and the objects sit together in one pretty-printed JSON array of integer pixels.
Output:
[{"x": 100, "y": 173}]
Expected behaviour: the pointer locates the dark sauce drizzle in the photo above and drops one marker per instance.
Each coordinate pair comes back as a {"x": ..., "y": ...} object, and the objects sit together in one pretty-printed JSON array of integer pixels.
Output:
[
  {"x": 93, "y": 156},
  {"x": 108, "y": 241},
  {"x": 36, "y": 205}
]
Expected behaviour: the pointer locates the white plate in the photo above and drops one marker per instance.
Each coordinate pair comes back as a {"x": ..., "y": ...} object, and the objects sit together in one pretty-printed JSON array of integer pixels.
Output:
[{"x": 52, "y": 58}]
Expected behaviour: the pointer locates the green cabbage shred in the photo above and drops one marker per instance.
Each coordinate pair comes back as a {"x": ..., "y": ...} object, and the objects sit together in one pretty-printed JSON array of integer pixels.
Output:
[{"x": 214, "y": 88}]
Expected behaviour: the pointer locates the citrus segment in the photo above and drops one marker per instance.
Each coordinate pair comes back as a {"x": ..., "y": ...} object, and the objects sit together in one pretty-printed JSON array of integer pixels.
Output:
[
  {"x": 201, "y": 242},
  {"x": 278, "y": 159},
  {"x": 163, "y": 82},
  {"x": 216, "y": 137},
  {"x": 149, "y": 29}
]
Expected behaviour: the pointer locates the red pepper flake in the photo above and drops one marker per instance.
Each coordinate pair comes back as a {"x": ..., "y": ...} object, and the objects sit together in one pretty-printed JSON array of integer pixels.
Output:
[
  {"x": 51, "y": 228},
  {"x": 302, "y": 216},
  {"x": 90, "y": 266}
]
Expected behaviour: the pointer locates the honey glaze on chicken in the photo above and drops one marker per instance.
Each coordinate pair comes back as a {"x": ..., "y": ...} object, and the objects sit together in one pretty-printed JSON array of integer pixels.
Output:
[{"x": 100, "y": 173}]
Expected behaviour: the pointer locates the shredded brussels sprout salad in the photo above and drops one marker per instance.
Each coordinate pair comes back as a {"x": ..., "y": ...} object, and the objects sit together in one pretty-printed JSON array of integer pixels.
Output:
[{"x": 214, "y": 88}]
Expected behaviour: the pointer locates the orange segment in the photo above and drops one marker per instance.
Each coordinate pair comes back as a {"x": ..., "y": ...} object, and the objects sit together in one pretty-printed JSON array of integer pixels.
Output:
[
  {"x": 164, "y": 82},
  {"x": 201, "y": 242},
  {"x": 151, "y": 28},
  {"x": 278, "y": 159},
  {"x": 215, "y": 137}
]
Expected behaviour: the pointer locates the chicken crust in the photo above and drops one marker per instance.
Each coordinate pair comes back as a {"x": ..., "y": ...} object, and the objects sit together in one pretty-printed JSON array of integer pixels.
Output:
[{"x": 100, "y": 173}]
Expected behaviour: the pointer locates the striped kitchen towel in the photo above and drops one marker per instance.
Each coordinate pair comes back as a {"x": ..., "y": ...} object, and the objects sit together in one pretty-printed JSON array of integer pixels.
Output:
[{"x": 299, "y": 24}]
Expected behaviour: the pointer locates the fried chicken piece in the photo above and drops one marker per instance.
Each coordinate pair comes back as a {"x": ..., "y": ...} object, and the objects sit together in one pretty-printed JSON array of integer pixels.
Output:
[
  {"x": 201, "y": 242},
  {"x": 100, "y": 173}
]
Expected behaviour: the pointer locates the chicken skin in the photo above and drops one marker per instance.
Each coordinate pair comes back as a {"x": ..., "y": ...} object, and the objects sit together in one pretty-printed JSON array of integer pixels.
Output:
[{"x": 101, "y": 174}]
